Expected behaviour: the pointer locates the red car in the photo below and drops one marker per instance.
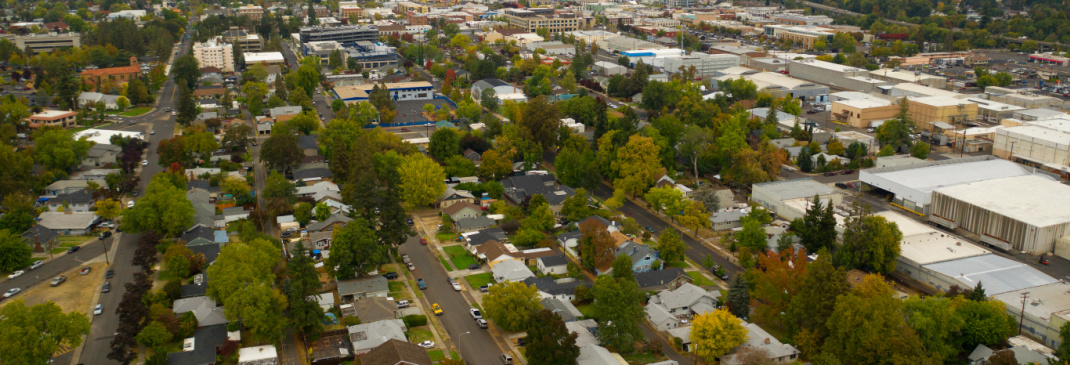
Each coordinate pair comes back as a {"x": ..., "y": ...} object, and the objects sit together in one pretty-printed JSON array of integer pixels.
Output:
[
  {"x": 423, "y": 241},
  {"x": 404, "y": 129}
]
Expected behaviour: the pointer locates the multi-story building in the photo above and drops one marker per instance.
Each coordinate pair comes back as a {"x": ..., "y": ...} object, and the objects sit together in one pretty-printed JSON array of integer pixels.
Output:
[
  {"x": 323, "y": 50},
  {"x": 44, "y": 42},
  {"x": 1044, "y": 142},
  {"x": 417, "y": 90},
  {"x": 940, "y": 112},
  {"x": 247, "y": 42},
  {"x": 53, "y": 118},
  {"x": 321, "y": 11},
  {"x": 405, "y": 7},
  {"x": 677, "y": 3},
  {"x": 345, "y": 35},
  {"x": 535, "y": 18},
  {"x": 215, "y": 53},
  {"x": 121, "y": 74},
  {"x": 265, "y": 58},
  {"x": 252, "y": 11},
  {"x": 795, "y": 19},
  {"x": 349, "y": 8},
  {"x": 373, "y": 55},
  {"x": 803, "y": 35}
]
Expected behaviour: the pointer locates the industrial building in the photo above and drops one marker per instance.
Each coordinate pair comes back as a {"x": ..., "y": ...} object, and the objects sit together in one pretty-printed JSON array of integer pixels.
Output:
[
  {"x": 994, "y": 111},
  {"x": 622, "y": 43},
  {"x": 1022, "y": 98},
  {"x": 609, "y": 68},
  {"x": 1044, "y": 143},
  {"x": 790, "y": 198},
  {"x": 779, "y": 85},
  {"x": 897, "y": 76},
  {"x": 348, "y": 35},
  {"x": 929, "y": 111},
  {"x": 535, "y": 18},
  {"x": 832, "y": 74},
  {"x": 911, "y": 89},
  {"x": 706, "y": 65},
  {"x": 266, "y": 58},
  {"x": 913, "y": 184},
  {"x": 553, "y": 48},
  {"x": 1021, "y": 213},
  {"x": 1047, "y": 308},
  {"x": 802, "y": 35},
  {"x": 417, "y": 90},
  {"x": 860, "y": 113}
]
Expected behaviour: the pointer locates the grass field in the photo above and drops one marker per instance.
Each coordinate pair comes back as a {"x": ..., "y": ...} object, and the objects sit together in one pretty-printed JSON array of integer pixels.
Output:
[
  {"x": 700, "y": 280},
  {"x": 445, "y": 237},
  {"x": 587, "y": 310},
  {"x": 446, "y": 264},
  {"x": 479, "y": 280},
  {"x": 136, "y": 111},
  {"x": 63, "y": 246},
  {"x": 459, "y": 256},
  {"x": 420, "y": 335},
  {"x": 639, "y": 358},
  {"x": 397, "y": 290},
  {"x": 436, "y": 355},
  {"x": 74, "y": 295}
]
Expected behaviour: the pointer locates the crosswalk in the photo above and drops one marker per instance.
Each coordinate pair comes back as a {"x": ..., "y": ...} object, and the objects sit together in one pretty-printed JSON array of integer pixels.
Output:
[{"x": 63, "y": 349}]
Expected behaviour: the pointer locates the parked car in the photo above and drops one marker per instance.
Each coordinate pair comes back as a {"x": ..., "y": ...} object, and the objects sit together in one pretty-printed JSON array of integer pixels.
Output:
[
  {"x": 409, "y": 221},
  {"x": 475, "y": 313},
  {"x": 16, "y": 274},
  {"x": 427, "y": 344},
  {"x": 73, "y": 249},
  {"x": 485, "y": 288},
  {"x": 37, "y": 264},
  {"x": 482, "y": 323},
  {"x": 85, "y": 270},
  {"x": 98, "y": 310},
  {"x": 105, "y": 234},
  {"x": 108, "y": 274},
  {"x": 436, "y": 309},
  {"x": 473, "y": 267},
  {"x": 106, "y": 288},
  {"x": 12, "y": 292},
  {"x": 423, "y": 241},
  {"x": 420, "y": 283},
  {"x": 390, "y": 275},
  {"x": 403, "y": 304},
  {"x": 457, "y": 286},
  {"x": 411, "y": 266},
  {"x": 405, "y": 258},
  {"x": 58, "y": 280},
  {"x": 130, "y": 204},
  {"x": 106, "y": 224}
]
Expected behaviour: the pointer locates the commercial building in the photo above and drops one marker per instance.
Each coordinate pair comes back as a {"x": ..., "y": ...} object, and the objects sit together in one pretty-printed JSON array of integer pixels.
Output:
[
  {"x": 405, "y": 7},
  {"x": 622, "y": 43},
  {"x": 896, "y": 76},
  {"x": 347, "y": 35},
  {"x": 1043, "y": 143},
  {"x": 214, "y": 53},
  {"x": 1047, "y": 309},
  {"x": 322, "y": 50},
  {"x": 252, "y": 11},
  {"x": 912, "y": 185},
  {"x": 348, "y": 9},
  {"x": 609, "y": 68},
  {"x": 53, "y": 118},
  {"x": 120, "y": 75},
  {"x": 835, "y": 75},
  {"x": 805, "y": 36},
  {"x": 44, "y": 42},
  {"x": 929, "y": 111},
  {"x": 245, "y": 41},
  {"x": 266, "y": 58},
  {"x": 417, "y": 90},
  {"x": 677, "y": 3},
  {"x": 1024, "y": 213},
  {"x": 796, "y": 19},
  {"x": 373, "y": 55},
  {"x": 780, "y": 85},
  {"x": 994, "y": 111},
  {"x": 911, "y": 89},
  {"x": 706, "y": 65},
  {"x": 1022, "y": 98},
  {"x": 860, "y": 113},
  {"x": 535, "y": 18},
  {"x": 553, "y": 48},
  {"x": 1049, "y": 59},
  {"x": 789, "y": 198}
]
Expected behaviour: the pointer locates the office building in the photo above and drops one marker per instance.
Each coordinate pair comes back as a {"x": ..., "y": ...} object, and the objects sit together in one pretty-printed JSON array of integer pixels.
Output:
[
  {"x": 348, "y": 35},
  {"x": 373, "y": 55},
  {"x": 214, "y": 53},
  {"x": 245, "y": 41},
  {"x": 417, "y": 90},
  {"x": 252, "y": 11},
  {"x": 535, "y": 18},
  {"x": 44, "y": 42}
]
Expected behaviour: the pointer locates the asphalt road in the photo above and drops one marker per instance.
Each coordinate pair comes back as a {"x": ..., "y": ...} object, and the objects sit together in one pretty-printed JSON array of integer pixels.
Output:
[
  {"x": 98, "y": 343},
  {"x": 52, "y": 268},
  {"x": 476, "y": 345}
]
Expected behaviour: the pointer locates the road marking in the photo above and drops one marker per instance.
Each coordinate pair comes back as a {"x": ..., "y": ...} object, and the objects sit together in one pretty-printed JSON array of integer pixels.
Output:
[{"x": 63, "y": 349}]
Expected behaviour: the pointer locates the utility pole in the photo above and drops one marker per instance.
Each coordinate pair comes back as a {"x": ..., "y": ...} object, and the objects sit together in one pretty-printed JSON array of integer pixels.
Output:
[{"x": 1021, "y": 317}]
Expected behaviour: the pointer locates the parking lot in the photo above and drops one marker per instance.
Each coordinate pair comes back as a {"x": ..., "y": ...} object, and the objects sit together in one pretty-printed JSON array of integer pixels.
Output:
[{"x": 409, "y": 110}]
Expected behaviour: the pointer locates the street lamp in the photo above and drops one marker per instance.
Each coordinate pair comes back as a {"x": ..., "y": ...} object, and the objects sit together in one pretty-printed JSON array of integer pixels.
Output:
[{"x": 459, "y": 340}]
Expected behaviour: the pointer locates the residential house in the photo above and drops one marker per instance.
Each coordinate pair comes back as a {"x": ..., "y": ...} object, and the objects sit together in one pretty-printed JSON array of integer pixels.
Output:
[
  {"x": 364, "y": 287},
  {"x": 202, "y": 348},
  {"x": 473, "y": 156},
  {"x": 668, "y": 307},
  {"x": 511, "y": 270},
  {"x": 367, "y": 336},
  {"x": 89, "y": 100},
  {"x": 67, "y": 186},
  {"x": 264, "y": 125},
  {"x": 329, "y": 225},
  {"x": 563, "y": 308},
  {"x": 642, "y": 257},
  {"x": 658, "y": 280},
  {"x": 373, "y": 309},
  {"x": 564, "y": 289},
  {"x": 284, "y": 113},
  {"x": 331, "y": 348},
  {"x": 592, "y": 354},
  {"x": 209, "y": 92},
  {"x": 319, "y": 191},
  {"x": 476, "y": 239},
  {"x": 308, "y": 145},
  {"x": 569, "y": 241},
  {"x": 396, "y": 352},
  {"x": 759, "y": 339},
  {"x": 462, "y": 210},
  {"x": 287, "y": 223},
  {"x": 258, "y": 355},
  {"x": 40, "y": 238},
  {"x": 520, "y": 188},
  {"x": 684, "y": 334},
  {"x": 312, "y": 172},
  {"x": 325, "y": 300},
  {"x": 232, "y": 214},
  {"x": 101, "y": 154},
  {"x": 1022, "y": 355},
  {"x": 585, "y": 331},
  {"x": 453, "y": 196},
  {"x": 553, "y": 265},
  {"x": 473, "y": 224},
  {"x": 198, "y": 288},
  {"x": 206, "y": 310},
  {"x": 79, "y": 201},
  {"x": 727, "y": 219},
  {"x": 493, "y": 253},
  {"x": 68, "y": 224}
]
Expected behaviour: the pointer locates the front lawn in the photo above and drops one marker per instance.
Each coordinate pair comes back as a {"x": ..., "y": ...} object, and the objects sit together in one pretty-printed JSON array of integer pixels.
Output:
[
  {"x": 479, "y": 280},
  {"x": 436, "y": 355},
  {"x": 420, "y": 335},
  {"x": 459, "y": 256},
  {"x": 76, "y": 240},
  {"x": 639, "y": 358},
  {"x": 136, "y": 111},
  {"x": 700, "y": 280},
  {"x": 445, "y": 264},
  {"x": 444, "y": 237},
  {"x": 397, "y": 290}
]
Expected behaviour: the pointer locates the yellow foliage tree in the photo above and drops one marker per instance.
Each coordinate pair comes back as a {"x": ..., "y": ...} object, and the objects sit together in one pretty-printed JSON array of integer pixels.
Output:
[
  {"x": 638, "y": 165},
  {"x": 714, "y": 334},
  {"x": 108, "y": 208}
]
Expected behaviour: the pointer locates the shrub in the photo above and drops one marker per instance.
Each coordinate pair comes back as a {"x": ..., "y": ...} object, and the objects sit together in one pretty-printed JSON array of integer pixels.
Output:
[
  {"x": 414, "y": 320},
  {"x": 352, "y": 321}
]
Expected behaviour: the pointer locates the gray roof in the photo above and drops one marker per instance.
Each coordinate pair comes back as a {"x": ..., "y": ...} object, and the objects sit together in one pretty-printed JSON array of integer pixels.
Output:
[
  {"x": 65, "y": 184},
  {"x": 485, "y": 235},
  {"x": 655, "y": 278},
  {"x": 489, "y": 83},
  {"x": 206, "y": 341},
  {"x": 548, "y": 285},
  {"x": 209, "y": 250},
  {"x": 794, "y": 189},
  {"x": 756, "y": 338},
  {"x": 466, "y": 224},
  {"x": 367, "y": 284},
  {"x": 512, "y": 270},
  {"x": 39, "y": 233},
  {"x": 635, "y": 251},
  {"x": 734, "y": 215},
  {"x": 373, "y": 309},
  {"x": 285, "y": 110},
  {"x": 367, "y": 336},
  {"x": 518, "y": 188},
  {"x": 684, "y": 296},
  {"x": 99, "y": 150},
  {"x": 198, "y": 231},
  {"x": 595, "y": 355},
  {"x": 555, "y": 260},
  {"x": 563, "y": 308},
  {"x": 232, "y": 211},
  {"x": 334, "y": 218},
  {"x": 996, "y": 273},
  {"x": 206, "y": 310},
  {"x": 66, "y": 221},
  {"x": 312, "y": 170},
  {"x": 307, "y": 142},
  {"x": 75, "y": 197}
]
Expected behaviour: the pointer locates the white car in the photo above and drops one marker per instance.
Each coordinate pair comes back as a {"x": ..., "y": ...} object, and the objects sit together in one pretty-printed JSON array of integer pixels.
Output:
[
  {"x": 12, "y": 292},
  {"x": 456, "y": 286},
  {"x": 98, "y": 310},
  {"x": 16, "y": 274},
  {"x": 427, "y": 344},
  {"x": 144, "y": 162},
  {"x": 174, "y": 113},
  {"x": 475, "y": 313},
  {"x": 130, "y": 204}
]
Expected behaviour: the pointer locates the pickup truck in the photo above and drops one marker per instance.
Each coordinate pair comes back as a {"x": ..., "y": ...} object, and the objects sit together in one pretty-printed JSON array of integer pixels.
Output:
[{"x": 421, "y": 284}]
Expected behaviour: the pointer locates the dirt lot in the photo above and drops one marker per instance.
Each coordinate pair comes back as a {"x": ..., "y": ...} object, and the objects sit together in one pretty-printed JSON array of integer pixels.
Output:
[{"x": 74, "y": 295}]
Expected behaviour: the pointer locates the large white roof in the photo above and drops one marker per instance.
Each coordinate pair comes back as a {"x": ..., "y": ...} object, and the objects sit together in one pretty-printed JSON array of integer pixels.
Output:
[
  {"x": 1032, "y": 199},
  {"x": 996, "y": 273},
  {"x": 916, "y": 182},
  {"x": 925, "y": 245}
]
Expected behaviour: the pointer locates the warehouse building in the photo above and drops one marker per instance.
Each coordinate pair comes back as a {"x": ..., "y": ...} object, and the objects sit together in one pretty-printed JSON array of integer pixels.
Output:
[
  {"x": 1023, "y": 98},
  {"x": 896, "y": 76},
  {"x": 997, "y": 274},
  {"x": 416, "y": 90},
  {"x": 828, "y": 73},
  {"x": 1021, "y": 213},
  {"x": 706, "y": 65},
  {"x": 913, "y": 184},
  {"x": 929, "y": 111},
  {"x": 1043, "y": 143},
  {"x": 608, "y": 68},
  {"x": 790, "y": 198},
  {"x": 779, "y": 85},
  {"x": 1047, "y": 310},
  {"x": 861, "y": 113},
  {"x": 910, "y": 89},
  {"x": 994, "y": 111}
]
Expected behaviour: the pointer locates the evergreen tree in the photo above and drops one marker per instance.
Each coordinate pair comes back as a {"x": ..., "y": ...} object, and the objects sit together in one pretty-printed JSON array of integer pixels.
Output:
[
  {"x": 805, "y": 160},
  {"x": 977, "y": 294},
  {"x": 739, "y": 297},
  {"x": 312, "y": 15},
  {"x": 187, "y": 110}
]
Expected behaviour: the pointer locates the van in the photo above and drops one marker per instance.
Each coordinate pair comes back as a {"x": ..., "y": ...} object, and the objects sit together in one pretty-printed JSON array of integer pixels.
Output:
[{"x": 506, "y": 359}]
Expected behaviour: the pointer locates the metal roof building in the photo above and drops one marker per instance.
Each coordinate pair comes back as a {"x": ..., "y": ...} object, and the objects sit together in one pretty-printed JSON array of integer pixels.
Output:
[
  {"x": 996, "y": 273},
  {"x": 913, "y": 184}
]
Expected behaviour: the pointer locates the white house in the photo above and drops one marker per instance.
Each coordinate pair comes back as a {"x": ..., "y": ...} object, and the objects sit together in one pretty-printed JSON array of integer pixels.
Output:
[
  {"x": 511, "y": 270},
  {"x": 552, "y": 265},
  {"x": 665, "y": 309}
]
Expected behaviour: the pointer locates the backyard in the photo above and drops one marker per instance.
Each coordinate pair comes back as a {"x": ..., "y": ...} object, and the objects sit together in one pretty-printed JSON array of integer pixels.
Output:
[{"x": 460, "y": 257}]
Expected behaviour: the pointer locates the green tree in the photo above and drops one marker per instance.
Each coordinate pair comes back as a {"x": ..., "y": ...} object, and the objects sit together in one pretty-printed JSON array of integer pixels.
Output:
[
  {"x": 154, "y": 334},
  {"x": 575, "y": 207},
  {"x": 739, "y": 297},
  {"x": 308, "y": 77},
  {"x": 695, "y": 215},
  {"x": 622, "y": 268},
  {"x": 237, "y": 137},
  {"x": 280, "y": 151},
  {"x": 31, "y": 334},
  {"x": 511, "y": 304},
  {"x": 421, "y": 180},
  {"x": 670, "y": 246},
  {"x": 14, "y": 252},
  {"x": 716, "y": 333},
  {"x": 108, "y": 209},
  {"x": 488, "y": 99},
  {"x": 335, "y": 60},
  {"x": 460, "y": 166},
  {"x": 577, "y": 166},
  {"x": 618, "y": 306},
  {"x": 870, "y": 242},
  {"x": 816, "y": 296},
  {"x": 278, "y": 187},
  {"x": 540, "y": 121},
  {"x": 380, "y": 98},
  {"x": 254, "y": 96},
  {"x": 303, "y": 213},
  {"x": 235, "y": 186},
  {"x": 867, "y": 327},
  {"x": 550, "y": 342},
  {"x": 985, "y": 322},
  {"x": 445, "y": 143},
  {"x": 1063, "y": 352},
  {"x": 186, "y": 71},
  {"x": 920, "y": 150},
  {"x": 260, "y": 308},
  {"x": 817, "y": 228},
  {"x": 897, "y": 131},
  {"x": 977, "y": 294},
  {"x": 805, "y": 160},
  {"x": 638, "y": 165},
  {"x": 667, "y": 199},
  {"x": 187, "y": 109},
  {"x": 934, "y": 320},
  {"x": 241, "y": 264},
  {"x": 752, "y": 235},
  {"x": 123, "y": 102},
  {"x": 302, "y": 284},
  {"x": 56, "y": 149},
  {"x": 355, "y": 251},
  {"x": 163, "y": 208}
]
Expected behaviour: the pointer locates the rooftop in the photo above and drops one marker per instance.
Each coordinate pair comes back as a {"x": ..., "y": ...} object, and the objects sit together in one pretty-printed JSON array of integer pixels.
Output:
[
  {"x": 1044, "y": 301},
  {"x": 255, "y": 57},
  {"x": 361, "y": 91},
  {"x": 998, "y": 274},
  {"x": 793, "y": 189},
  {"x": 927, "y": 176},
  {"x": 1031, "y": 199},
  {"x": 939, "y": 100},
  {"x": 924, "y": 90},
  {"x": 865, "y": 103},
  {"x": 925, "y": 245}
]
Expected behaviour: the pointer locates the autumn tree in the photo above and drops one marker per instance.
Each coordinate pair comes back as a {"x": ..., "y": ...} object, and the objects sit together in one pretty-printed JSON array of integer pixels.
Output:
[
  {"x": 637, "y": 165},
  {"x": 495, "y": 165},
  {"x": 714, "y": 334},
  {"x": 867, "y": 327},
  {"x": 510, "y": 305},
  {"x": 670, "y": 246},
  {"x": 695, "y": 215},
  {"x": 618, "y": 305},
  {"x": 777, "y": 282},
  {"x": 596, "y": 246},
  {"x": 421, "y": 180},
  {"x": 550, "y": 342},
  {"x": 108, "y": 209}
]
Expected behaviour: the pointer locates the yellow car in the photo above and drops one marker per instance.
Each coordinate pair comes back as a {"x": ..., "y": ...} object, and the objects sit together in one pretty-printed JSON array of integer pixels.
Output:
[{"x": 435, "y": 308}]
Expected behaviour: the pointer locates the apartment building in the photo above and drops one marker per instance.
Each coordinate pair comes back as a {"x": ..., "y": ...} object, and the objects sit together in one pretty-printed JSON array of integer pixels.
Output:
[
  {"x": 252, "y": 11},
  {"x": 247, "y": 42},
  {"x": 347, "y": 10},
  {"x": 44, "y": 42},
  {"x": 215, "y": 53},
  {"x": 345, "y": 35},
  {"x": 535, "y": 18},
  {"x": 405, "y": 7}
]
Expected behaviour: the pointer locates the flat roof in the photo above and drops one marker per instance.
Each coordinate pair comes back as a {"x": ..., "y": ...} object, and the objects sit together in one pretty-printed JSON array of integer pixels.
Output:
[
  {"x": 925, "y": 245},
  {"x": 53, "y": 114},
  {"x": 1037, "y": 132},
  {"x": 254, "y": 57},
  {"x": 1033, "y": 199},
  {"x": 1042, "y": 113},
  {"x": 779, "y": 79},
  {"x": 924, "y": 90},
  {"x": 916, "y": 182},
  {"x": 865, "y": 103},
  {"x": 996, "y": 273},
  {"x": 939, "y": 100},
  {"x": 993, "y": 105},
  {"x": 828, "y": 66},
  {"x": 103, "y": 136},
  {"x": 797, "y": 188},
  {"x": 1044, "y": 301},
  {"x": 361, "y": 91}
]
